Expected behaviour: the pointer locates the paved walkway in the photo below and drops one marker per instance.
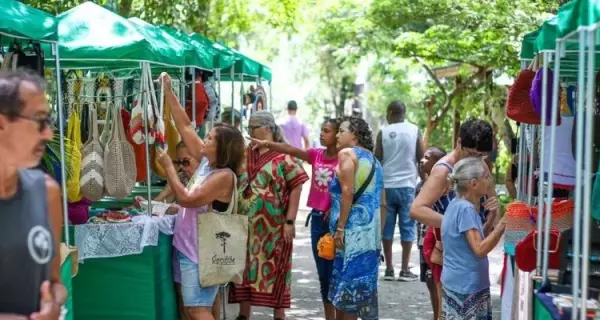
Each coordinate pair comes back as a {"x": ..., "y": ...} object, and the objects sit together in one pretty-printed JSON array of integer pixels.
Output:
[{"x": 397, "y": 300}]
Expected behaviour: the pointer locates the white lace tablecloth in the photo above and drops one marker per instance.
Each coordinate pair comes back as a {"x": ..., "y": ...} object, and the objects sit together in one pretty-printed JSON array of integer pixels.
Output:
[{"x": 120, "y": 239}]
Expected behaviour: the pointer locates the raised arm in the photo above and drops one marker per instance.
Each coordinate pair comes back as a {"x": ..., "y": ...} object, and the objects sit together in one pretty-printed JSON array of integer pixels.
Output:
[
  {"x": 434, "y": 188},
  {"x": 283, "y": 148},
  {"x": 182, "y": 122}
]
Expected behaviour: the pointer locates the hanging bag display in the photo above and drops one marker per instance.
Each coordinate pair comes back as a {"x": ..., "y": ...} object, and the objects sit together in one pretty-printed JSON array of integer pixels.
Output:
[
  {"x": 222, "y": 244},
  {"x": 74, "y": 147},
  {"x": 536, "y": 94},
  {"x": 137, "y": 126},
  {"x": 202, "y": 103},
  {"x": 172, "y": 137},
  {"x": 107, "y": 130},
  {"x": 518, "y": 102},
  {"x": 520, "y": 221},
  {"x": 92, "y": 164},
  {"x": 119, "y": 161},
  {"x": 325, "y": 249},
  {"x": 526, "y": 251}
]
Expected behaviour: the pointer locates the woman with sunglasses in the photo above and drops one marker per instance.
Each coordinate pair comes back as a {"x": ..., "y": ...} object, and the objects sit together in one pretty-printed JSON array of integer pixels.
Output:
[
  {"x": 209, "y": 189},
  {"x": 475, "y": 140}
]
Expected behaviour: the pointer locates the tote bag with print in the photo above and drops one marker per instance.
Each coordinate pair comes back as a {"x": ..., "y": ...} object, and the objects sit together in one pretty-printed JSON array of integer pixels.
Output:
[{"x": 222, "y": 244}]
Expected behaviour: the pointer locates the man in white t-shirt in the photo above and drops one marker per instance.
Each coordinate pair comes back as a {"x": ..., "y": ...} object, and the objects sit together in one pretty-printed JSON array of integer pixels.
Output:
[{"x": 399, "y": 148}]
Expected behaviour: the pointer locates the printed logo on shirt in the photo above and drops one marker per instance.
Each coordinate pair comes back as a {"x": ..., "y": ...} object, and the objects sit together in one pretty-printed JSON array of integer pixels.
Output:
[
  {"x": 393, "y": 135},
  {"x": 39, "y": 243}
]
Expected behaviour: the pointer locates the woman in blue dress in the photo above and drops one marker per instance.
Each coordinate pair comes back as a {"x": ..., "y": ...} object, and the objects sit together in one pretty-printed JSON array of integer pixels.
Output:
[{"x": 356, "y": 194}]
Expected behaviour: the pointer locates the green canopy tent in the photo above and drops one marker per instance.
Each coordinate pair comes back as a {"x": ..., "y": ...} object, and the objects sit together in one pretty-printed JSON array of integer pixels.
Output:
[
  {"x": 195, "y": 56},
  {"x": 91, "y": 36}
]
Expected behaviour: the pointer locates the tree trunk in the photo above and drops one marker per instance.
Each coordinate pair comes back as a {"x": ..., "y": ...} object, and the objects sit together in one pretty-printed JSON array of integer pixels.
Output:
[{"x": 125, "y": 7}]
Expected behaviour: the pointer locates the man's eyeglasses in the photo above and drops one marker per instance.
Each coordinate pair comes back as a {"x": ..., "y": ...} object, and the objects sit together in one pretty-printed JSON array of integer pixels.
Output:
[
  {"x": 183, "y": 163},
  {"x": 44, "y": 122}
]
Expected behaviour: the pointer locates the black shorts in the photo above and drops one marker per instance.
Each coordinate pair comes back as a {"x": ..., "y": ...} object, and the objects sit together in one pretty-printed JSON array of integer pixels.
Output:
[{"x": 425, "y": 270}]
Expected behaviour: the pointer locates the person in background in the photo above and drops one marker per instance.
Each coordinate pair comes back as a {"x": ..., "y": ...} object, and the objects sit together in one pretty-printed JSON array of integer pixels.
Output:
[
  {"x": 465, "y": 276},
  {"x": 475, "y": 140},
  {"x": 185, "y": 166},
  {"x": 271, "y": 184},
  {"x": 237, "y": 118},
  {"x": 212, "y": 185},
  {"x": 295, "y": 131},
  {"x": 431, "y": 156},
  {"x": 399, "y": 148},
  {"x": 31, "y": 211},
  {"x": 324, "y": 162},
  {"x": 357, "y": 211}
]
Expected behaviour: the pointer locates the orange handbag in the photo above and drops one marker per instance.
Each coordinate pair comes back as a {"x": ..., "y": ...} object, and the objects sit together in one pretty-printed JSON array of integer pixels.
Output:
[{"x": 326, "y": 247}]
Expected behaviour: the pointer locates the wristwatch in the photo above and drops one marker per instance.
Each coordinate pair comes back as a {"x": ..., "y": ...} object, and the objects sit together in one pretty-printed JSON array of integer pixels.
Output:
[{"x": 290, "y": 222}]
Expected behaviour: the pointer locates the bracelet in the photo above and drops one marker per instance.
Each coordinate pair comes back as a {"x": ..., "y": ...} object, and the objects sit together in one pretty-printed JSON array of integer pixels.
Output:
[{"x": 341, "y": 230}]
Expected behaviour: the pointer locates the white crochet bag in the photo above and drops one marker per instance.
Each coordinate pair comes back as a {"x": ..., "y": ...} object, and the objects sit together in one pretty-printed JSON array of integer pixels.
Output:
[
  {"x": 119, "y": 161},
  {"x": 92, "y": 163}
]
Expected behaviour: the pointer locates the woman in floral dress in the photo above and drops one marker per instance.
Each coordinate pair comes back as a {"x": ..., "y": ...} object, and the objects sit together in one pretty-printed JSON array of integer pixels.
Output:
[
  {"x": 323, "y": 162},
  {"x": 271, "y": 187},
  {"x": 357, "y": 218}
]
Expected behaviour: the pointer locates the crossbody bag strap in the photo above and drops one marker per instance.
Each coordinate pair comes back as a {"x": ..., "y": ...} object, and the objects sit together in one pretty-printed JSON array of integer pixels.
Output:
[{"x": 364, "y": 186}]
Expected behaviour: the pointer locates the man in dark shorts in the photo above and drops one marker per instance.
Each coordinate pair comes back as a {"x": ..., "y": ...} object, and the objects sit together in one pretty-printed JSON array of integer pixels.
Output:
[{"x": 31, "y": 211}]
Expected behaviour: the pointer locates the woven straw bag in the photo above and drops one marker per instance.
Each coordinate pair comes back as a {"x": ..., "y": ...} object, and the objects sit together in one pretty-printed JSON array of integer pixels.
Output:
[
  {"x": 74, "y": 146},
  {"x": 518, "y": 102},
  {"x": 107, "y": 129},
  {"x": 92, "y": 163},
  {"x": 119, "y": 161}
]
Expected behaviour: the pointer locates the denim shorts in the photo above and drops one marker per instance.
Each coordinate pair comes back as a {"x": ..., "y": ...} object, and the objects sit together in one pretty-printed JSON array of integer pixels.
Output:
[
  {"x": 193, "y": 294},
  {"x": 318, "y": 228},
  {"x": 398, "y": 202}
]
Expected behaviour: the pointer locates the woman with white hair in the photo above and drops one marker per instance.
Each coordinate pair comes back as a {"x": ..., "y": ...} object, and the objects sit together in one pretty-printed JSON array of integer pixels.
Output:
[
  {"x": 271, "y": 184},
  {"x": 465, "y": 276}
]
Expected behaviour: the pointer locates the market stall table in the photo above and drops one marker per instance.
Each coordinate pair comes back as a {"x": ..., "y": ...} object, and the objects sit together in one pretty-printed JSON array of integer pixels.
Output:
[{"x": 132, "y": 286}]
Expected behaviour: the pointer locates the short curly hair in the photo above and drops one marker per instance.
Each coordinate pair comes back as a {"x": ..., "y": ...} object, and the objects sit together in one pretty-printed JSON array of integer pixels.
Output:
[
  {"x": 361, "y": 130},
  {"x": 477, "y": 134}
]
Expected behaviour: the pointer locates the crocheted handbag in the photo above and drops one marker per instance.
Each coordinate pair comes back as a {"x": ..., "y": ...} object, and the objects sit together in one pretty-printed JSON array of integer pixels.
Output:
[
  {"x": 518, "y": 103},
  {"x": 520, "y": 221},
  {"x": 119, "y": 161},
  {"x": 74, "y": 149},
  {"x": 92, "y": 163}
]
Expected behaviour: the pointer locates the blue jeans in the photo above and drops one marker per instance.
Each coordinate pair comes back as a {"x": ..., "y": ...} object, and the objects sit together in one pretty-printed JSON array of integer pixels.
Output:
[
  {"x": 193, "y": 294},
  {"x": 398, "y": 202},
  {"x": 318, "y": 228}
]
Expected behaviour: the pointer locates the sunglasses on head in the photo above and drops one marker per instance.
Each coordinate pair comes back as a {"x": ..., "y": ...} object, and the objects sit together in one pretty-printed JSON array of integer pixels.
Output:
[{"x": 183, "y": 163}]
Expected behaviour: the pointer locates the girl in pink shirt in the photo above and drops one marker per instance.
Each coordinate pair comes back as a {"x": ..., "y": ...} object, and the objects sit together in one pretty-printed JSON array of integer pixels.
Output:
[{"x": 323, "y": 161}]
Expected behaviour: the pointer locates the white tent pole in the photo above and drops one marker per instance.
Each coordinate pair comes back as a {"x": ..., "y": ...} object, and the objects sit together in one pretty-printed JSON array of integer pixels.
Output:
[{"x": 61, "y": 129}]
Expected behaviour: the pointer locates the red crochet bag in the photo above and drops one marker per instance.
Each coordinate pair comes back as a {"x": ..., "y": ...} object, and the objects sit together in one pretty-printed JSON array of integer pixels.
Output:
[
  {"x": 202, "y": 103},
  {"x": 518, "y": 102}
]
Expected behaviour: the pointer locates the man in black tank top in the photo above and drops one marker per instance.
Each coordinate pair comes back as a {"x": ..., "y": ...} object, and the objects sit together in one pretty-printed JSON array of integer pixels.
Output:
[{"x": 30, "y": 204}]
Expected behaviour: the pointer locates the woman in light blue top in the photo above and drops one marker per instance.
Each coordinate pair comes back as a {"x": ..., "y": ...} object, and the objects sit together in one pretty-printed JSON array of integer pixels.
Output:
[{"x": 465, "y": 276}]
